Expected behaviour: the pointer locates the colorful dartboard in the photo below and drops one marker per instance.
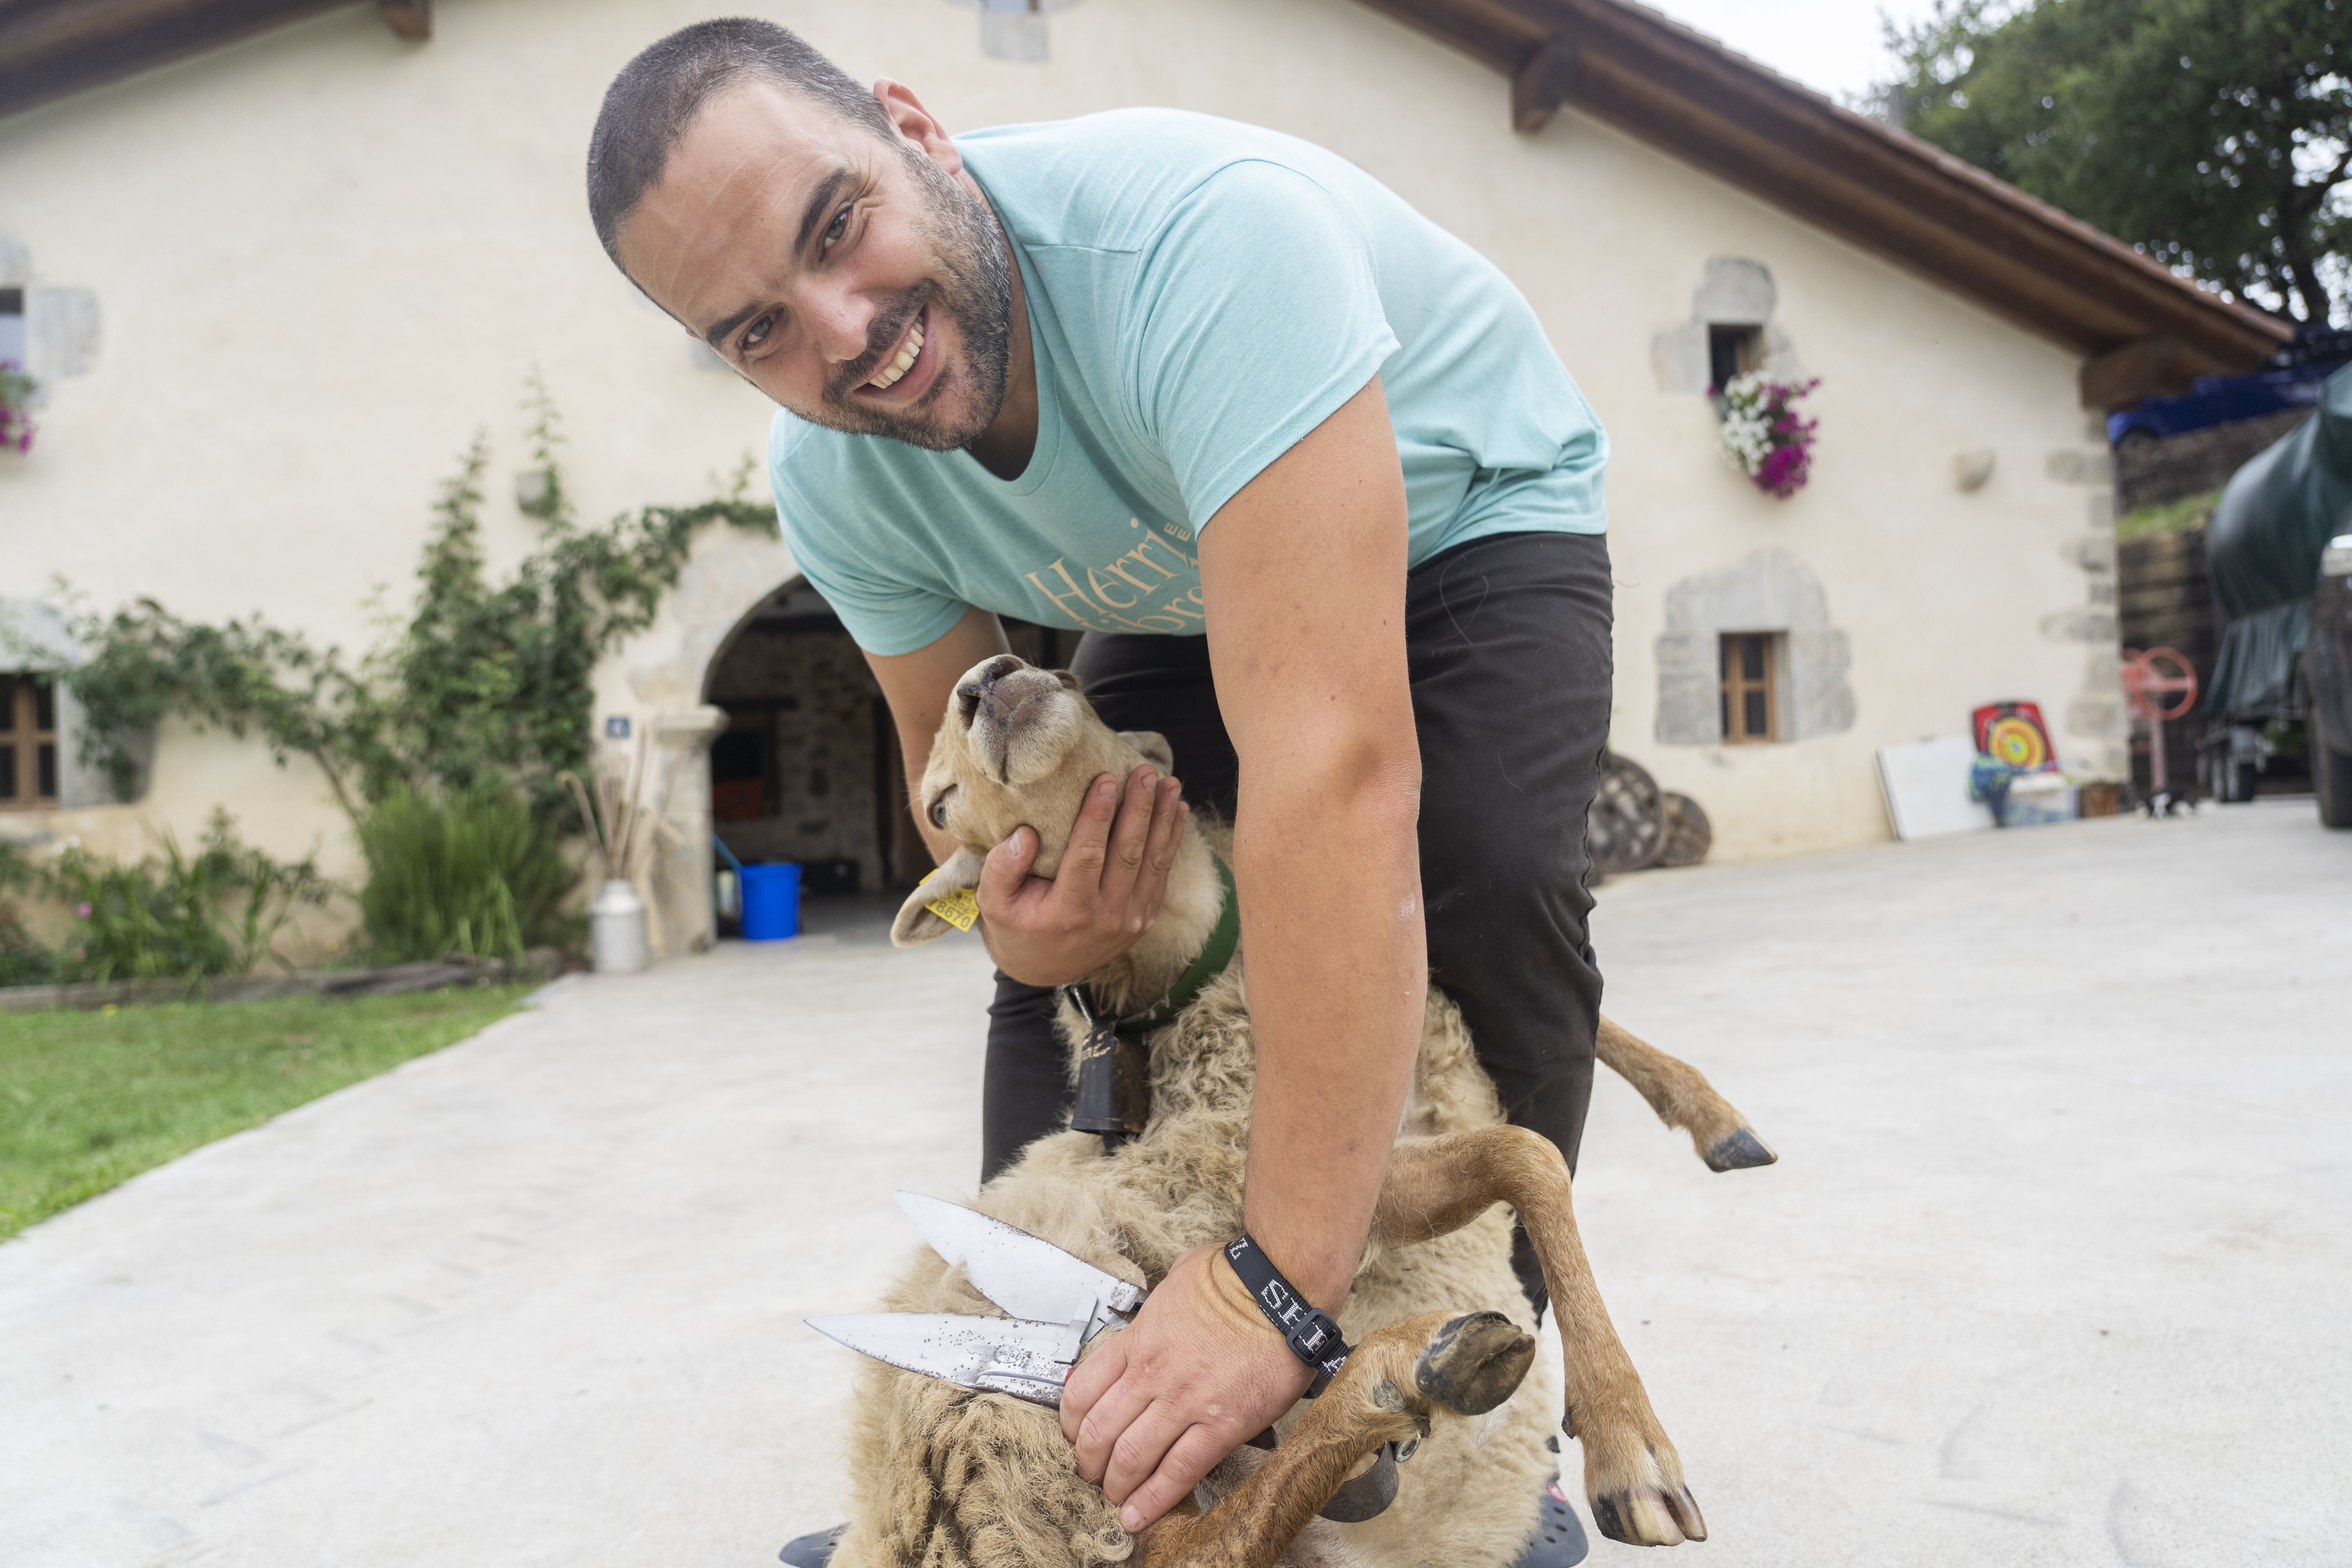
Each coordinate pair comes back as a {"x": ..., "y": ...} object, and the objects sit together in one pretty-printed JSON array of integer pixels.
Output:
[{"x": 2012, "y": 733}]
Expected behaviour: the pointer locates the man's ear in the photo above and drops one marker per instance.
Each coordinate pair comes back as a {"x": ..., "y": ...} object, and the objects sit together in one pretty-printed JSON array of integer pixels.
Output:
[
  {"x": 950, "y": 884},
  {"x": 917, "y": 124},
  {"x": 1154, "y": 747}
]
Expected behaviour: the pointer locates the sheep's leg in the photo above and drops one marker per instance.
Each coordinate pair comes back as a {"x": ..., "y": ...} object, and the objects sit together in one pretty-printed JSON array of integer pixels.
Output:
[
  {"x": 1683, "y": 1098},
  {"x": 1632, "y": 1476},
  {"x": 1391, "y": 1384}
]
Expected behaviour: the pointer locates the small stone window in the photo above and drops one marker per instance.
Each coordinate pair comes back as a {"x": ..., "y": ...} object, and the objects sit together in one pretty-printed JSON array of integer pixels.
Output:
[
  {"x": 29, "y": 743},
  {"x": 12, "y": 327},
  {"x": 1732, "y": 352},
  {"x": 1750, "y": 712}
]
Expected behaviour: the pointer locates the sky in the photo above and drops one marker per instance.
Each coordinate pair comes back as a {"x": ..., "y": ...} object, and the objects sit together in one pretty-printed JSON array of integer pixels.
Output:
[{"x": 1831, "y": 46}]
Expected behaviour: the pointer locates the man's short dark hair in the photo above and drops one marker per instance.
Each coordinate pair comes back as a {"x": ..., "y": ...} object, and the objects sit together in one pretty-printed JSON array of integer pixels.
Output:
[{"x": 657, "y": 96}]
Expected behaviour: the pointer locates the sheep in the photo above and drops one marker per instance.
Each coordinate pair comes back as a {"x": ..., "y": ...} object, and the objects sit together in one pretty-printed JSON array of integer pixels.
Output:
[{"x": 942, "y": 1476}]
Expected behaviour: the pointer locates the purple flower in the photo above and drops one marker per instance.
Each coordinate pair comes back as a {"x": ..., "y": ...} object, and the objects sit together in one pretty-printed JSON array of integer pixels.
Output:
[{"x": 83, "y": 911}]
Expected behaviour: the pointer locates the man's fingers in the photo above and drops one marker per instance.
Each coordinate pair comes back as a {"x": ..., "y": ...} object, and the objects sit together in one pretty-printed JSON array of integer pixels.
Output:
[
  {"x": 1140, "y": 1448},
  {"x": 1105, "y": 1427},
  {"x": 1088, "y": 1380},
  {"x": 1090, "y": 835},
  {"x": 1168, "y": 814},
  {"x": 1007, "y": 868},
  {"x": 1194, "y": 1455},
  {"x": 1130, "y": 836}
]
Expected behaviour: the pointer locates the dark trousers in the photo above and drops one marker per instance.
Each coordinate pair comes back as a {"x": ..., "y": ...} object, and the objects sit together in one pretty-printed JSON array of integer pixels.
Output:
[{"x": 1507, "y": 643}]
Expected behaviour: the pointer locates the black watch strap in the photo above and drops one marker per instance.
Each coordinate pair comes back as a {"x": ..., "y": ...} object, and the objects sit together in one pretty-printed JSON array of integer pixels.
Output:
[{"x": 1307, "y": 1328}]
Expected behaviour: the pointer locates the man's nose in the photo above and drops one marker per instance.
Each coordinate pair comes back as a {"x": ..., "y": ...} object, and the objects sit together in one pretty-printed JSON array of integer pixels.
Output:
[{"x": 840, "y": 320}]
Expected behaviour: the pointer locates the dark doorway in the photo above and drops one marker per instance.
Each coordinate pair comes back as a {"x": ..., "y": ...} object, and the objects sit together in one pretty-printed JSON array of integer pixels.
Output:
[
  {"x": 793, "y": 776},
  {"x": 809, "y": 768}
]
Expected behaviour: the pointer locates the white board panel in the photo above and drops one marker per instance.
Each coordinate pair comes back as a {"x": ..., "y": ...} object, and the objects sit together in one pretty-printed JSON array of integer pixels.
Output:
[{"x": 1926, "y": 788}]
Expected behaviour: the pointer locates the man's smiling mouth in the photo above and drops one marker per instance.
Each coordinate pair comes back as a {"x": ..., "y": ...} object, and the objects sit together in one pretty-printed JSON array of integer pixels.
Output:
[{"x": 911, "y": 348}]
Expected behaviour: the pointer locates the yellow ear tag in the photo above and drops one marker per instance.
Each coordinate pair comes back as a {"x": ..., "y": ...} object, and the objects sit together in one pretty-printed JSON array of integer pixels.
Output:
[{"x": 959, "y": 908}]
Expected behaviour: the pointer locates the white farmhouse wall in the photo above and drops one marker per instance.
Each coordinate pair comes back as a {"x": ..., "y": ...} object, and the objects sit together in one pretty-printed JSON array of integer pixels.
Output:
[{"x": 325, "y": 258}]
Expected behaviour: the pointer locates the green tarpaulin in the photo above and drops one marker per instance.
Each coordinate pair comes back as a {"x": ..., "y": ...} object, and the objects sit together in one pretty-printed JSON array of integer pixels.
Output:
[{"x": 2263, "y": 550}]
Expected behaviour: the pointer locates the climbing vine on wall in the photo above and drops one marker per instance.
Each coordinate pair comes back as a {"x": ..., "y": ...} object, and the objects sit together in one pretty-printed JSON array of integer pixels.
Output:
[{"x": 487, "y": 685}]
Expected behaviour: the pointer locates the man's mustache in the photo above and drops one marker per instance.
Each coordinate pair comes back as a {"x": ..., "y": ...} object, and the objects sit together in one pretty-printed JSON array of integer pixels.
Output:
[{"x": 881, "y": 338}]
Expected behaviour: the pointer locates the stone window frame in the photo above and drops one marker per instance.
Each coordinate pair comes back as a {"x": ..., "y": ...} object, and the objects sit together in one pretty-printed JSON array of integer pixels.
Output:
[
  {"x": 1769, "y": 590},
  {"x": 1736, "y": 298},
  {"x": 34, "y": 640}
]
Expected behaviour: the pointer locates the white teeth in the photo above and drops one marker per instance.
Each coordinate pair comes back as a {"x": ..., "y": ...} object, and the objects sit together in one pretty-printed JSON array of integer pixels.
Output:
[{"x": 887, "y": 377}]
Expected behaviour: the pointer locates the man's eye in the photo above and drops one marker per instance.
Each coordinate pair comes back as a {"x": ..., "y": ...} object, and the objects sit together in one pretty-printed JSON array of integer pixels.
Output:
[
  {"x": 757, "y": 333},
  {"x": 838, "y": 227}
]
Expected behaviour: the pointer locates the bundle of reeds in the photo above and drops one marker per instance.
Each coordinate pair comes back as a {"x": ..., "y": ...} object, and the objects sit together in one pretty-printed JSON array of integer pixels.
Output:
[{"x": 623, "y": 820}]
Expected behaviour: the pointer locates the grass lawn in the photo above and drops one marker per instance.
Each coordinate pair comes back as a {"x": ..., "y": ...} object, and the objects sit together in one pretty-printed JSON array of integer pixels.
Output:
[{"x": 90, "y": 1100}]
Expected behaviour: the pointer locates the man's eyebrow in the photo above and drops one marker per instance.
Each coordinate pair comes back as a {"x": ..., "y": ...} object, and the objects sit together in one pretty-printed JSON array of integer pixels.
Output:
[
  {"x": 721, "y": 330},
  {"x": 820, "y": 206}
]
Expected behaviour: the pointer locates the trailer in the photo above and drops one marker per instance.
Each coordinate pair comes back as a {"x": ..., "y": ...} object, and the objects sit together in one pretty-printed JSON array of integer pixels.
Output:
[{"x": 2279, "y": 553}]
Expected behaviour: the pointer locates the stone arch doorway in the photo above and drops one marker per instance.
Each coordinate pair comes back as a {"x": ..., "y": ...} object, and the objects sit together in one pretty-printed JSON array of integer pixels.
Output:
[{"x": 805, "y": 767}]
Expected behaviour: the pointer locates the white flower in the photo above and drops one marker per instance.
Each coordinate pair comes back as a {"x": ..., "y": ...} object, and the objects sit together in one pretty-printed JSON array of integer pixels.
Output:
[{"x": 1747, "y": 435}]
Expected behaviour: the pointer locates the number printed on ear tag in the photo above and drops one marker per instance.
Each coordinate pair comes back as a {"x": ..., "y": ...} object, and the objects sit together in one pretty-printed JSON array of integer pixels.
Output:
[{"x": 959, "y": 908}]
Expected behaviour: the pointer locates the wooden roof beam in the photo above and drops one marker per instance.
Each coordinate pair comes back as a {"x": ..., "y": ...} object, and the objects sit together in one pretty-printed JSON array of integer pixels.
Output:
[
  {"x": 2150, "y": 367},
  {"x": 412, "y": 19},
  {"x": 1539, "y": 87}
]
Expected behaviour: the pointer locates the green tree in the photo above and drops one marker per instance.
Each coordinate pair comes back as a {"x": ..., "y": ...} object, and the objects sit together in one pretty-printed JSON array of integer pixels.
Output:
[{"x": 2215, "y": 134}]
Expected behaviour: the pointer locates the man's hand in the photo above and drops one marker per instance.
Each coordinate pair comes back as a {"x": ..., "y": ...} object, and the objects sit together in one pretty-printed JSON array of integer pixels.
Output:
[
  {"x": 1198, "y": 1373},
  {"x": 1102, "y": 896}
]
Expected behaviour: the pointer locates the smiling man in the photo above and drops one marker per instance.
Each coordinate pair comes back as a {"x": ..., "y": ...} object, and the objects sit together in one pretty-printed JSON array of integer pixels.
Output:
[{"x": 1328, "y": 508}]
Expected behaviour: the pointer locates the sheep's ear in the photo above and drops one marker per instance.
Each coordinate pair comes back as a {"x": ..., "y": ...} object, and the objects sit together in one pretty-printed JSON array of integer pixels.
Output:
[
  {"x": 1154, "y": 747},
  {"x": 950, "y": 887}
]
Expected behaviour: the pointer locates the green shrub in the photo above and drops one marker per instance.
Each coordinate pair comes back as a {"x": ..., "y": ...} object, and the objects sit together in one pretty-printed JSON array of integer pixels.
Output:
[
  {"x": 172, "y": 916},
  {"x": 476, "y": 873},
  {"x": 22, "y": 960},
  {"x": 2182, "y": 516}
]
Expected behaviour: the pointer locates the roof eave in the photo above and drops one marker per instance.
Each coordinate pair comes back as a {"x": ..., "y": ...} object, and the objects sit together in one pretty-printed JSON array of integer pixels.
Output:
[
  {"x": 1867, "y": 182},
  {"x": 50, "y": 49}
]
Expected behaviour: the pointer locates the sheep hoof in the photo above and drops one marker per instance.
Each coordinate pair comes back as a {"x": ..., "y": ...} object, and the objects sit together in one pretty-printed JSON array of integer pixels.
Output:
[
  {"x": 1475, "y": 1363},
  {"x": 1743, "y": 1151},
  {"x": 1649, "y": 1514}
]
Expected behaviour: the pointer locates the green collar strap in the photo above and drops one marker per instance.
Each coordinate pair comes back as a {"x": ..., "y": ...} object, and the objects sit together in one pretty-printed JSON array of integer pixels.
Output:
[{"x": 1210, "y": 962}]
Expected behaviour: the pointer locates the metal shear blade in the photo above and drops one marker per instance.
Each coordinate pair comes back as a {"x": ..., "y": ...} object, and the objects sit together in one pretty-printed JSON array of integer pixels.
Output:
[
  {"x": 1059, "y": 1303},
  {"x": 1005, "y": 1355},
  {"x": 1027, "y": 1276}
]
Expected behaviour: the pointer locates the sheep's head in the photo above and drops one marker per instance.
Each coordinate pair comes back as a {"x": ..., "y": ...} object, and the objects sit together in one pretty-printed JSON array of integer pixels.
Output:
[{"x": 1018, "y": 747}]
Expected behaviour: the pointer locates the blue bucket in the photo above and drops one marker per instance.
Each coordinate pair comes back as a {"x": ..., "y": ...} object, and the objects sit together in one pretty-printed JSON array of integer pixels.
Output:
[{"x": 771, "y": 902}]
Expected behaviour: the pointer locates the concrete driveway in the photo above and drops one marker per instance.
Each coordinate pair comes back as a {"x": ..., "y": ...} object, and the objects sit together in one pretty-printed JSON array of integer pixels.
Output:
[{"x": 2055, "y": 1269}]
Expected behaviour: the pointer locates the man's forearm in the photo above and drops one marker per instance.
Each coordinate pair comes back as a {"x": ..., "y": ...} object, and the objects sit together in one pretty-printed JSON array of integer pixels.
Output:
[{"x": 1328, "y": 869}]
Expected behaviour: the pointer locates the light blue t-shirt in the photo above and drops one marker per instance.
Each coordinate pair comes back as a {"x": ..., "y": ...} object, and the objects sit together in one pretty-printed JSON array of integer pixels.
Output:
[{"x": 1201, "y": 294}]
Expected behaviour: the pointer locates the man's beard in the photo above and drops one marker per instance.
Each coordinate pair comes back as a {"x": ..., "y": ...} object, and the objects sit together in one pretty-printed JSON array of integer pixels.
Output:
[{"x": 977, "y": 297}]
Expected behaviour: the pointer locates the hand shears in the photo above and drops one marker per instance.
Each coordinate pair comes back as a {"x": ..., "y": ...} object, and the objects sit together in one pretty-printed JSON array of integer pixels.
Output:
[{"x": 1059, "y": 1303}]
